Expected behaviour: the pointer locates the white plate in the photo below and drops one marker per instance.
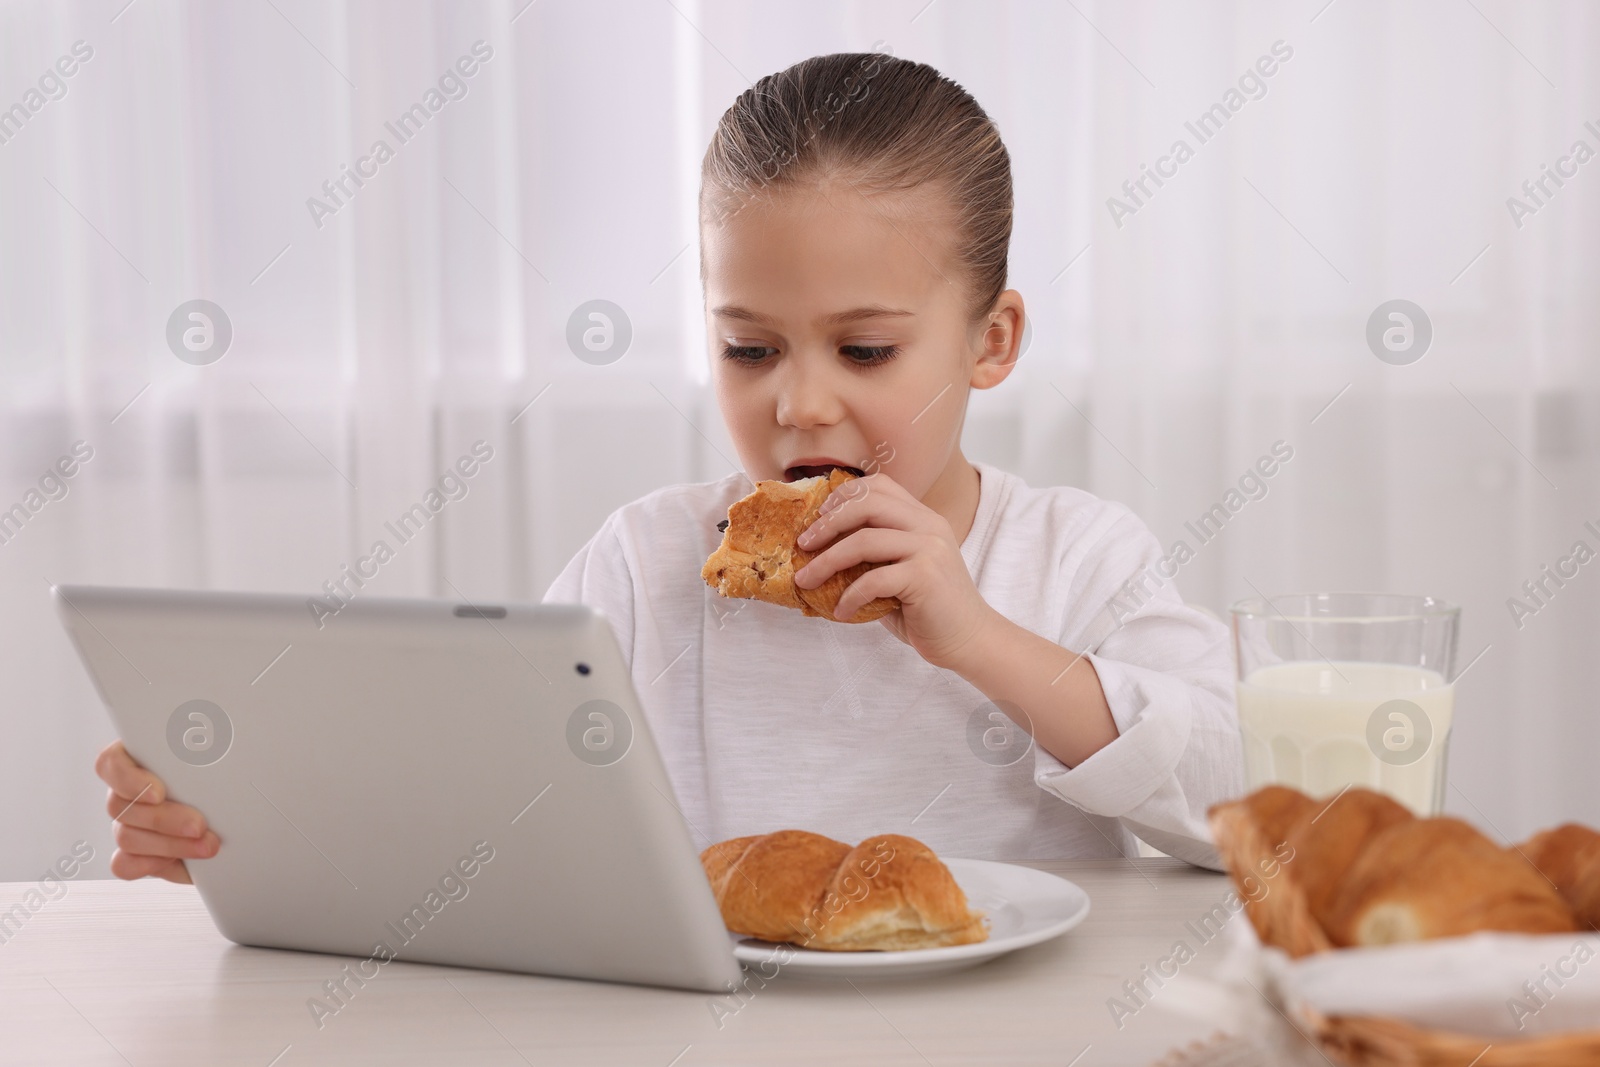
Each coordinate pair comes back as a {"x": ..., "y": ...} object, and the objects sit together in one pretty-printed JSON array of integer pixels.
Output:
[{"x": 1023, "y": 906}]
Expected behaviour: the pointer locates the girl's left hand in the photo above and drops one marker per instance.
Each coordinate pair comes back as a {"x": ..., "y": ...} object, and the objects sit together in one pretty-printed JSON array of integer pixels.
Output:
[{"x": 941, "y": 612}]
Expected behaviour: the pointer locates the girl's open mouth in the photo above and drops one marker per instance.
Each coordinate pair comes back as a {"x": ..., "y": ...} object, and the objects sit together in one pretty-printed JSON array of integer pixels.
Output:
[{"x": 794, "y": 474}]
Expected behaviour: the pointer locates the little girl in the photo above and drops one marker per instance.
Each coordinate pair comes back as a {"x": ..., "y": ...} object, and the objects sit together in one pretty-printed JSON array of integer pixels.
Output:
[{"x": 855, "y": 216}]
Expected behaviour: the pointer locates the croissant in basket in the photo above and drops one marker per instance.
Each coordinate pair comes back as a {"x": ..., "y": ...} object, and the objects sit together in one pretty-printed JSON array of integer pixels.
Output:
[
  {"x": 1251, "y": 837},
  {"x": 889, "y": 892},
  {"x": 1359, "y": 869},
  {"x": 1569, "y": 856},
  {"x": 758, "y": 554}
]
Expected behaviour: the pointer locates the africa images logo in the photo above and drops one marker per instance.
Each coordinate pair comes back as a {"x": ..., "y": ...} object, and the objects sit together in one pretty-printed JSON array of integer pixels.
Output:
[
  {"x": 52, "y": 87},
  {"x": 450, "y": 887},
  {"x": 453, "y": 85},
  {"x": 1252, "y": 85}
]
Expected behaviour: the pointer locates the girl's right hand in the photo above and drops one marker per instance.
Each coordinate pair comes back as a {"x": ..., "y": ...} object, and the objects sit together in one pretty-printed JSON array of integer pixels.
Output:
[{"x": 153, "y": 834}]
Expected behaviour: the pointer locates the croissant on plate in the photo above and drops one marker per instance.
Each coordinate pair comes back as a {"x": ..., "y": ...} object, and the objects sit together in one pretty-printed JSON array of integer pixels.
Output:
[
  {"x": 1358, "y": 868},
  {"x": 888, "y": 892}
]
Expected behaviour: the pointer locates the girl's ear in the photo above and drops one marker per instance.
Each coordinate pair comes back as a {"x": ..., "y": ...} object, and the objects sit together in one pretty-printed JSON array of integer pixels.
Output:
[{"x": 1001, "y": 342}]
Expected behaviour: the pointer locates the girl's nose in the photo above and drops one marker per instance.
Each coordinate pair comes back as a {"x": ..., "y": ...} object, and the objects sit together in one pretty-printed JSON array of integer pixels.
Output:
[{"x": 805, "y": 396}]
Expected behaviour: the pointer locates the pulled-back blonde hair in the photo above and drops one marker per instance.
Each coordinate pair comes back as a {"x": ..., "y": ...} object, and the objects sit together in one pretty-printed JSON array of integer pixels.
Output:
[{"x": 882, "y": 123}]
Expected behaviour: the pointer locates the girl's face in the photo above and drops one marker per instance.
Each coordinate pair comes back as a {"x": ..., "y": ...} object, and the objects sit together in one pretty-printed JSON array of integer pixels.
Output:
[{"x": 838, "y": 333}]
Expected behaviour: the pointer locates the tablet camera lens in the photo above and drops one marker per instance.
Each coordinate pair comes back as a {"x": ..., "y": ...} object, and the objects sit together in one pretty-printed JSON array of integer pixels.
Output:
[{"x": 583, "y": 668}]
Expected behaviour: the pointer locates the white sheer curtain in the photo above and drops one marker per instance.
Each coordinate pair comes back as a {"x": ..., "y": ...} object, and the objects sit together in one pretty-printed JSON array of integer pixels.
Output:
[{"x": 375, "y": 343}]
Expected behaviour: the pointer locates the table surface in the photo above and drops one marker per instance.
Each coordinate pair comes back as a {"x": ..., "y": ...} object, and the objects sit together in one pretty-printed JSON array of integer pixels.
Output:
[{"x": 135, "y": 973}]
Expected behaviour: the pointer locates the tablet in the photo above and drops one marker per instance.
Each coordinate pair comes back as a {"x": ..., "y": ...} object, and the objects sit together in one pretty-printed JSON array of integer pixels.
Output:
[{"x": 425, "y": 780}]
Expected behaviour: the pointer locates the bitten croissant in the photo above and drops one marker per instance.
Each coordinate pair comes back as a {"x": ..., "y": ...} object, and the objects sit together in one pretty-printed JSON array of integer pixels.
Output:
[
  {"x": 758, "y": 554},
  {"x": 1360, "y": 869},
  {"x": 888, "y": 892}
]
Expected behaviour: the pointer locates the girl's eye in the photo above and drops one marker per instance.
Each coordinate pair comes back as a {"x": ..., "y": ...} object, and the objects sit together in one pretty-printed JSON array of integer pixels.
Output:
[
  {"x": 747, "y": 354},
  {"x": 860, "y": 355},
  {"x": 871, "y": 355}
]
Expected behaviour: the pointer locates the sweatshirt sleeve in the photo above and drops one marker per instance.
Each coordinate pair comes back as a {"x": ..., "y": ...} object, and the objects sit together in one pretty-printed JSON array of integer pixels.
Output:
[
  {"x": 1167, "y": 672},
  {"x": 599, "y": 576}
]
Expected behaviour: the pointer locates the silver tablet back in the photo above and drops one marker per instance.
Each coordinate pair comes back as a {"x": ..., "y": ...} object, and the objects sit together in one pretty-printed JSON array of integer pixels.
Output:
[{"x": 420, "y": 780}]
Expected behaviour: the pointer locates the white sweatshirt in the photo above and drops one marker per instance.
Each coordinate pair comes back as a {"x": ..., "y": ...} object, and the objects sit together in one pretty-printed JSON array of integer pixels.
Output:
[{"x": 768, "y": 719}]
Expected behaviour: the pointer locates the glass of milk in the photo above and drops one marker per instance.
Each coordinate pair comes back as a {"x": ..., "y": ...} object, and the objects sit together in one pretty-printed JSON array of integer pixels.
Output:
[{"x": 1342, "y": 689}]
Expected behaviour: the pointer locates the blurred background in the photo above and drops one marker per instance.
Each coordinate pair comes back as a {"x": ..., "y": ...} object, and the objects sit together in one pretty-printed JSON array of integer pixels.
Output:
[{"x": 363, "y": 339}]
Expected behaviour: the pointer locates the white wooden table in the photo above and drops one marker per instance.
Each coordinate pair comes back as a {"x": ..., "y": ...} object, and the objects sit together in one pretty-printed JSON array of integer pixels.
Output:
[{"x": 134, "y": 973}]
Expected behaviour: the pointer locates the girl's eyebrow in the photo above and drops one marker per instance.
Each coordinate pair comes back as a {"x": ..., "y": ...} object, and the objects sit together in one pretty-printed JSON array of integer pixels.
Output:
[{"x": 838, "y": 318}]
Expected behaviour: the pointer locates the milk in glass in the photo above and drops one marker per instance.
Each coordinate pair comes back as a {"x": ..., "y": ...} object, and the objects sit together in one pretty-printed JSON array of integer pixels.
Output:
[{"x": 1311, "y": 725}]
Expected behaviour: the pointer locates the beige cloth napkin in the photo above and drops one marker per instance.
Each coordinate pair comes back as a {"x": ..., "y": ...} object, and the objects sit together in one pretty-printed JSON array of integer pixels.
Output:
[
  {"x": 1487, "y": 984},
  {"x": 1490, "y": 984}
]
